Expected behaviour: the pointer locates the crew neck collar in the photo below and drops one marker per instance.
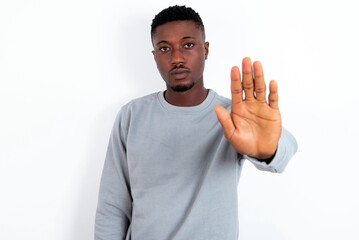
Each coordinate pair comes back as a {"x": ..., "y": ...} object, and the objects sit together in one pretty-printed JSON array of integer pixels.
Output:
[{"x": 197, "y": 108}]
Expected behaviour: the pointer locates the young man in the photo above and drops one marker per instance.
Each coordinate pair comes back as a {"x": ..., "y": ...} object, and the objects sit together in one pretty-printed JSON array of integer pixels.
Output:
[{"x": 175, "y": 157}]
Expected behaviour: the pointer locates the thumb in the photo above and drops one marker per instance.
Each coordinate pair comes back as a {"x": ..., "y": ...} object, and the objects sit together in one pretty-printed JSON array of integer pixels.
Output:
[{"x": 225, "y": 120}]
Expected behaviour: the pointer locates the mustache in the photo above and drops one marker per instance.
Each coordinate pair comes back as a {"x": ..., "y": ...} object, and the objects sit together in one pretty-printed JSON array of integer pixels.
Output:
[{"x": 179, "y": 70}]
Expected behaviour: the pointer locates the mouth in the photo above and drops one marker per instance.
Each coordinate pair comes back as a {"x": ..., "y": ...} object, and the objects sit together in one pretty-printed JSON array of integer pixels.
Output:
[{"x": 179, "y": 73}]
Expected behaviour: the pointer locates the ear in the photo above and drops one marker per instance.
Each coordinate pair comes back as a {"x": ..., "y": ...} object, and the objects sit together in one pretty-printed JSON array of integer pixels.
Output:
[
  {"x": 206, "y": 50},
  {"x": 154, "y": 54}
]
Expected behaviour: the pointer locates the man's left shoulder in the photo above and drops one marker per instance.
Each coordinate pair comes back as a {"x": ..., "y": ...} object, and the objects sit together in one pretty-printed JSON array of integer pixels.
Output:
[{"x": 221, "y": 100}]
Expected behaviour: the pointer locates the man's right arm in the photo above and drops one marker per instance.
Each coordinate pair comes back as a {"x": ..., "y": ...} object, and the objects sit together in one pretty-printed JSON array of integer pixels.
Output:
[{"x": 113, "y": 216}]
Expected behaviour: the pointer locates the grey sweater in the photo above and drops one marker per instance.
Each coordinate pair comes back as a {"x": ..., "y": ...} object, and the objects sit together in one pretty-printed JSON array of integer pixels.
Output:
[{"x": 169, "y": 173}]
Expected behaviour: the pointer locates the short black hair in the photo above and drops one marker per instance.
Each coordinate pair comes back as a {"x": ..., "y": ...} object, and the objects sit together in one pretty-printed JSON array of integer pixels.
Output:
[{"x": 176, "y": 13}]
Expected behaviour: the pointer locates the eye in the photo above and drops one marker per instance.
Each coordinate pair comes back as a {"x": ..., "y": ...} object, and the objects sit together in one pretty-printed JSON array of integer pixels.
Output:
[
  {"x": 188, "y": 45},
  {"x": 164, "y": 49}
]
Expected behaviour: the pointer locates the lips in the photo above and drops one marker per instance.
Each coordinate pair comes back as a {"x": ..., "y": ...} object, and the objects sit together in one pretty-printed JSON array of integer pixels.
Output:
[{"x": 179, "y": 73}]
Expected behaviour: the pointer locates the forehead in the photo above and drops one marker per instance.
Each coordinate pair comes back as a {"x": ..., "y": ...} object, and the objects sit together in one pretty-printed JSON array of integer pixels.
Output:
[{"x": 176, "y": 30}]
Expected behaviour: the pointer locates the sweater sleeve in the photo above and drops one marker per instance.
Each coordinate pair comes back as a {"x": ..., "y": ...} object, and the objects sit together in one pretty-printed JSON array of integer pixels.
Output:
[
  {"x": 287, "y": 147},
  {"x": 113, "y": 215}
]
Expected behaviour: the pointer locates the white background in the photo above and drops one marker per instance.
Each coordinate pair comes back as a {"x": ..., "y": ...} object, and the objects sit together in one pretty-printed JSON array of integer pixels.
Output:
[{"x": 66, "y": 68}]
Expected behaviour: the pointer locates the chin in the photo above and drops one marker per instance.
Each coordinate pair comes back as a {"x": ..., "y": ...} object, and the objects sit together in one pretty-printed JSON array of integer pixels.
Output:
[{"x": 182, "y": 87}]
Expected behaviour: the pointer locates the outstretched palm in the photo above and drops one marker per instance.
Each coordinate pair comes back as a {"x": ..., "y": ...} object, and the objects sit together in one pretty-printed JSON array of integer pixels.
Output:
[{"x": 254, "y": 125}]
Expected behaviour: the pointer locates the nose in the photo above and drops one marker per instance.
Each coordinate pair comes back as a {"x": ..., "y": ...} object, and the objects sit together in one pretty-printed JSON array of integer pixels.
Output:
[{"x": 177, "y": 57}]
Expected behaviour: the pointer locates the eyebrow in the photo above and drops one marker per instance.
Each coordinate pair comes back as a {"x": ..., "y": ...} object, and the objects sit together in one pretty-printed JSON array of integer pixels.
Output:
[{"x": 184, "y": 38}]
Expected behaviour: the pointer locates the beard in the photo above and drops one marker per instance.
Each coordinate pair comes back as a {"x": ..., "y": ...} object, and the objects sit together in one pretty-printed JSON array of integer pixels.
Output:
[{"x": 183, "y": 87}]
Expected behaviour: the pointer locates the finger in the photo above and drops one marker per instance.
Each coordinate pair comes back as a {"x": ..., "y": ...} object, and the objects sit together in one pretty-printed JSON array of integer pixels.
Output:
[
  {"x": 225, "y": 120},
  {"x": 247, "y": 80},
  {"x": 273, "y": 94},
  {"x": 259, "y": 84},
  {"x": 236, "y": 85}
]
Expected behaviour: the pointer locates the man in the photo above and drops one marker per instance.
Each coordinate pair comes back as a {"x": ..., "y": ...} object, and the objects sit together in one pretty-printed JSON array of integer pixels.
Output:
[{"x": 175, "y": 157}]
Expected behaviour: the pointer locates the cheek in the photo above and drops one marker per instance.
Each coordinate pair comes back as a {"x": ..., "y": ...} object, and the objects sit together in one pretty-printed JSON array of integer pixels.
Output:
[
  {"x": 162, "y": 67},
  {"x": 160, "y": 62},
  {"x": 199, "y": 62}
]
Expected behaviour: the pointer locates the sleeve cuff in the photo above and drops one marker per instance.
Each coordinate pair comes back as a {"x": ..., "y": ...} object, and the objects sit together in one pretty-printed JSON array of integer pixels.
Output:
[{"x": 287, "y": 146}]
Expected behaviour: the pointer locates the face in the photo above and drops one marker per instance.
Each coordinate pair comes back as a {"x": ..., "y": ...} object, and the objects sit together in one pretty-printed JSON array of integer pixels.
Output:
[{"x": 180, "y": 53}]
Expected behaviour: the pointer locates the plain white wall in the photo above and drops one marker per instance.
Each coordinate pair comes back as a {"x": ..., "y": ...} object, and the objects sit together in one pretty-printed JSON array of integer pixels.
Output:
[{"x": 66, "y": 68}]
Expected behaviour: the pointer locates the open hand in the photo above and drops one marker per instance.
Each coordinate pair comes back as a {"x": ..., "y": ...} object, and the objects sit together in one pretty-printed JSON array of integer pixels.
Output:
[{"x": 254, "y": 125}]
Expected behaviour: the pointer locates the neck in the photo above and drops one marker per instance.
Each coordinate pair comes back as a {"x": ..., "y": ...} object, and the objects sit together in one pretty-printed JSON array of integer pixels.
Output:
[{"x": 189, "y": 98}]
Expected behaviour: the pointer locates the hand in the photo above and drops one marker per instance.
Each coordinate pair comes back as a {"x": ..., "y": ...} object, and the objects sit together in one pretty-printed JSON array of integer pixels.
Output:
[{"x": 254, "y": 125}]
